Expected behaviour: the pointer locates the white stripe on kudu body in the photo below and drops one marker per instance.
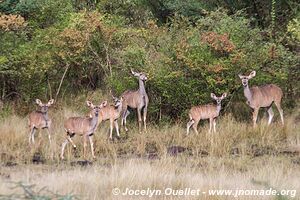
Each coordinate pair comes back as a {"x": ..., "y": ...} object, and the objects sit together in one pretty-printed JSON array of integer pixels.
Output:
[
  {"x": 262, "y": 96},
  {"x": 136, "y": 100},
  {"x": 85, "y": 126},
  {"x": 208, "y": 111},
  {"x": 40, "y": 120}
]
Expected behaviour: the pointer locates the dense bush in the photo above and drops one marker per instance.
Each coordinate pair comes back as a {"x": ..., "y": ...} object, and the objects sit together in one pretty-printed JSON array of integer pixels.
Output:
[{"x": 66, "y": 48}]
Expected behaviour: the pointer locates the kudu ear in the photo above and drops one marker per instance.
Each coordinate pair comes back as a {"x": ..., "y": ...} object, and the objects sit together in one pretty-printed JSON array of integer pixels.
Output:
[
  {"x": 252, "y": 74},
  {"x": 224, "y": 95},
  {"x": 212, "y": 95},
  {"x": 240, "y": 76},
  {"x": 50, "y": 102},
  {"x": 90, "y": 104},
  {"x": 38, "y": 102},
  {"x": 132, "y": 72},
  {"x": 103, "y": 104},
  {"x": 114, "y": 98}
]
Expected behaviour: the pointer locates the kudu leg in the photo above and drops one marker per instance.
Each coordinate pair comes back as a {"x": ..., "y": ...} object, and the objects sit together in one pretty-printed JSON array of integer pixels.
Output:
[
  {"x": 124, "y": 117},
  {"x": 84, "y": 145},
  {"x": 111, "y": 122},
  {"x": 63, "y": 148},
  {"x": 49, "y": 135},
  {"x": 139, "y": 119},
  {"x": 188, "y": 126},
  {"x": 31, "y": 135},
  {"x": 271, "y": 114},
  {"x": 214, "y": 124},
  {"x": 210, "y": 124},
  {"x": 70, "y": 140},
  {"x": 195, "y": 126},
  {"x": 255, "y": 113},
  {"x": 64, "y": 145},
  {"x": 117, "y": 127},
  {"x": 145, "y": 117},
  {"x": 92, "y": 145},
  {"x": 280, "y": 111}
]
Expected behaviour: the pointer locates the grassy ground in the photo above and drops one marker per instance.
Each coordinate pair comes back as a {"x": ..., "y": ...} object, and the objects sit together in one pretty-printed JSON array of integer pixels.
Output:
[{"x": 236, "y": 157}]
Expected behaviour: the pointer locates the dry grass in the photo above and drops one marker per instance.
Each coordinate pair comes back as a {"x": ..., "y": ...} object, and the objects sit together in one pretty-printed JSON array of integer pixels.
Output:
[{"x": 232, "y": 158}]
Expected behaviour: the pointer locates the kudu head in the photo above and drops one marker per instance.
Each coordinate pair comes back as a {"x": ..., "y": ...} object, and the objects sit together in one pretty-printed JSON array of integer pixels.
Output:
[
  {"x": 95, "y": 109},
  {"x": 44, "y": 107},
  {"x": 118, "y": 102},
  {"x": 140, "y": 75},
  {"x": 245, "y": 79},
  {"x": 218, "y": 99}
]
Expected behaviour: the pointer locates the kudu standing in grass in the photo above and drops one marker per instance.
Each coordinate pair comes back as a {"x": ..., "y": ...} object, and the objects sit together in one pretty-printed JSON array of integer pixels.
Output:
[
  {"x": 136, "y": 100},
  {"x": 112, "y": 113},
  {"x": 208, "y": 111},
  {"x": 262, "y": 96},
  {"x": 40, "y": 119},
  {"x": 85, "y": 126}
]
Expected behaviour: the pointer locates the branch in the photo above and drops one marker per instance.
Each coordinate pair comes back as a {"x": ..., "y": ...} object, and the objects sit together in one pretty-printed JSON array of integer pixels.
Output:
[{"x": 61, "y": 81}]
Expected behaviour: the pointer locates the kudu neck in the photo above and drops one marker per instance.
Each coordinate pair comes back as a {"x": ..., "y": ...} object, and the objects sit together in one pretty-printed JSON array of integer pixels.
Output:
[
  {"x": 247, "y": 93},
  {"x": 45, "y": 115},
  {"x": 119, "y": 108},
  {"x": 94, "y": 122},
  {"x": 142, "y": 87},
  {"x": 218, "y": 108}
]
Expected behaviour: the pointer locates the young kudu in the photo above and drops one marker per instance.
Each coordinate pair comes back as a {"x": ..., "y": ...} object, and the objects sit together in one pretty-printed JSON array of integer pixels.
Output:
[
  {"x": 136, "y": 100},
  {"x": 40, "y": 119},
  {"x": 262, "y": 96},
  {"x": 208, "y": 111},
  {"x": 85, "y": 126},
  {"x": 112, "y": 113}
]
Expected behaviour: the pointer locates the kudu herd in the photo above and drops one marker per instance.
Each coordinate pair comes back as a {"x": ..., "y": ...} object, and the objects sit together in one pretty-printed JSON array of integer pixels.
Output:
[{"x": 257, "y": 97}]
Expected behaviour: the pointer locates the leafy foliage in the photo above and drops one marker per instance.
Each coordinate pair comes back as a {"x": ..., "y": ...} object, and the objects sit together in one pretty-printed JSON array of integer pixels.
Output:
[{"x": 188, "y": 49}]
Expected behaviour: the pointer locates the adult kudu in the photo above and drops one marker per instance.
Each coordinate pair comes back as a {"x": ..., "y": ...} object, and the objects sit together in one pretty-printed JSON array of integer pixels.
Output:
[
  {"x": 262, "y": 97},
  {"x": 137, "y": 99},
  {"x": 40, "y": 119},
  {"x": 84, "y": 126}
]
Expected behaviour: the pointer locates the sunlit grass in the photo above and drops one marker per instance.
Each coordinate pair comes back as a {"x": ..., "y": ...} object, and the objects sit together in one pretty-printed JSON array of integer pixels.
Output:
[{"x": 231, "y": 158}]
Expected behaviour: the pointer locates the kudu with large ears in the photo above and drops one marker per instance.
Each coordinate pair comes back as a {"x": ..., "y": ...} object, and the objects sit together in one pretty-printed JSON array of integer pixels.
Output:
[
  {"x": 40, "y": 119},
  {"x": 262, "y": 96},
  {"x": 137, "y": 99},
  {"x": 208, "y": 111},
  {"x": 84, "y": 126}
]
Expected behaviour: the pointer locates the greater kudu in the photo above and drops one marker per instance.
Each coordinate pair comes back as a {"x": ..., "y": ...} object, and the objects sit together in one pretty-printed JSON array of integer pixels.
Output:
[
  {"x": 262, "y": 96},
  {"x": 112, "y": 113},
  {"x": 40, "y": 119},
  {"x": 208, "y": 111},
  {"x": 85, "y": 126},
  {"x": 137, "y": 99}
]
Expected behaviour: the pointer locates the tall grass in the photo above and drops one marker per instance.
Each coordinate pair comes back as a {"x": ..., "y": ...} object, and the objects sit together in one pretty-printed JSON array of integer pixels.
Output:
[{"x": 231, "y": 158}]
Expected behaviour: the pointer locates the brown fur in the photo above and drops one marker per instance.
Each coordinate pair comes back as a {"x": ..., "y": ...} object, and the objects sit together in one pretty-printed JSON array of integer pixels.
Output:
[
  {"x": 40, "y": 120},
  {"x": 208, "y": 111},
  {"x": 137, "y": 100},
  {"x": 264, "y": 96},
  {"x": 85, "y": 126}
]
